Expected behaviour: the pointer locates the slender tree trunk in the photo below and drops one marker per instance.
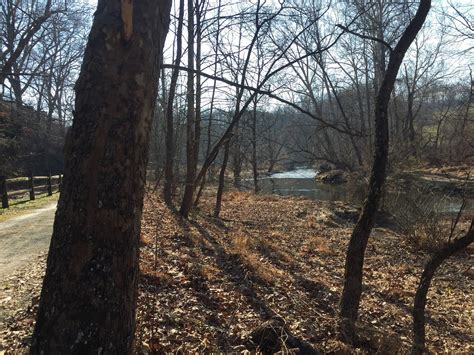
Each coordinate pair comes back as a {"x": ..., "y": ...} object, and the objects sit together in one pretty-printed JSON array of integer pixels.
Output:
[
  {"x": 465, "y": 119},
  {"x": 211, "y": 111},
  {"x": 16, "y": 88},
  {"x": 368, "y": 94},
  {"x": 418, "y": 346},
  {"x": 187, "y": 202},
  {"x": 331, "y": 89},
  {"x": 237, "y": 156},
  {"x": 198, "y": 118},
  {"x": 220, "y": 189},
  {"x": 239, "y": 111},
  {"x": 410, "y": 117},
  {"x": 352, "y": 289},
  {"x": 254, "y": 146},
  {"x": 89, "y": 293},
  {"x": 169, "y": 140}
]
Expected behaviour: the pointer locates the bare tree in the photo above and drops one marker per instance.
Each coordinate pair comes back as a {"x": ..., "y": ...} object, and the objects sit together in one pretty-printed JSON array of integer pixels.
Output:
[
  {"x": 170, "y": 143},
  {"x": 352, "y": 290},
  {"x": 20, "y": 28}
]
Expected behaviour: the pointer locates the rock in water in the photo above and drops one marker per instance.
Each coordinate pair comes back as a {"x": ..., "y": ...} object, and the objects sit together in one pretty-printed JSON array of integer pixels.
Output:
[
  {"x": 324, "y": 168},
  {"x": 333, "y": 177}
]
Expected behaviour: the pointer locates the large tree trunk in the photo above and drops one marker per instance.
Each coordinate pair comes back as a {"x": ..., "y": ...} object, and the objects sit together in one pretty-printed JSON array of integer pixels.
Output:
[
  {"x": 352, "y": 289},
  {"x": 89, "y": 293}
]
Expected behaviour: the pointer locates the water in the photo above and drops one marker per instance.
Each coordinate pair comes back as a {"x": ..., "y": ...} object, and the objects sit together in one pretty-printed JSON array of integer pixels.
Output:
[
  {"x": 301, "y": 182},
  {"x": 300, "y": 173}
]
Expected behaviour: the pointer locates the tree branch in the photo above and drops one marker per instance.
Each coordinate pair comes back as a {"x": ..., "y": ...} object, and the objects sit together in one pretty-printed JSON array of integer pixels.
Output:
[
  {"x": 346, "y": 29},
  {"x": 269, "y": 94}
]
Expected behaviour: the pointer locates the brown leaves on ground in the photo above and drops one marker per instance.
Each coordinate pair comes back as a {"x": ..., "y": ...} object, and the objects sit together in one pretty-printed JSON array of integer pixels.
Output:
[
  {"x": 19, "y": 297},
  {"x": 207, "y": 283}
]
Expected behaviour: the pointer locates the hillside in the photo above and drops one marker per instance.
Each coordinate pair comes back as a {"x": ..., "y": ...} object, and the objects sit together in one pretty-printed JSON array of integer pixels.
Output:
[{"x": 29, "y": 142}]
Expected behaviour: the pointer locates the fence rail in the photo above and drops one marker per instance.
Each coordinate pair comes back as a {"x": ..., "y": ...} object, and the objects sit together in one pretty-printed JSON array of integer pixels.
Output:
[{"x": 15, "y": 187}]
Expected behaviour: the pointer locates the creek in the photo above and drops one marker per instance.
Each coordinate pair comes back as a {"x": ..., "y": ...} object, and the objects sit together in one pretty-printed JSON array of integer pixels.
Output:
[{"x": 401, "y": 194}]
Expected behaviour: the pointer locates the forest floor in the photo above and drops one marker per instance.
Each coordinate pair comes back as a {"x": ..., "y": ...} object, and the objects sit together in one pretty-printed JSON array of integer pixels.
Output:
[{"x": 207, "y": 283}]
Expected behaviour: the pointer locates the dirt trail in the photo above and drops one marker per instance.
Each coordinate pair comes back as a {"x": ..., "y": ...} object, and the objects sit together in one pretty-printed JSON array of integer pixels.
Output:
[{"x": 24, "y": 237}]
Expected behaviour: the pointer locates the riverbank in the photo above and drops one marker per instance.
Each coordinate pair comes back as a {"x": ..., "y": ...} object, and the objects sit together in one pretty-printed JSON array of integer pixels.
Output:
[{"x": 206, "y": 283}]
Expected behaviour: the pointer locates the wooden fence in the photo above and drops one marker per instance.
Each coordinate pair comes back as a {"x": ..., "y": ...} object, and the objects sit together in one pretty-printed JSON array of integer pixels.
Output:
[{"x": 13, "y": 189}]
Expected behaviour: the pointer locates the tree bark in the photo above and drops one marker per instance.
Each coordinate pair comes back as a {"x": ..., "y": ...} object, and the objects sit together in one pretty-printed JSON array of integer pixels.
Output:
[
  {"x": 418, "y": 346},
  {"x": 89, "y": 293},
  {"x": 352, "y": 289}
]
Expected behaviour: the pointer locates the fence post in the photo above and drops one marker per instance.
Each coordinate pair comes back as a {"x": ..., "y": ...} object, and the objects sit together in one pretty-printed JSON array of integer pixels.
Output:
[
  {"x": 50, "y": 189},
  {"x": 4, "y": 191},
  {"x": 32, "y": 186}
]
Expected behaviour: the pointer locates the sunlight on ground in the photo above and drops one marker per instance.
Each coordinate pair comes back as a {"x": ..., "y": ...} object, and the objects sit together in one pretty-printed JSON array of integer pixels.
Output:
[{"x": 21, "y": 207}]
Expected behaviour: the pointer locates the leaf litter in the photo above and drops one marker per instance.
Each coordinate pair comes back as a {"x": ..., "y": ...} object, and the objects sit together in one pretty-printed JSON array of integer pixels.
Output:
[{"x": 207, "y": 283}]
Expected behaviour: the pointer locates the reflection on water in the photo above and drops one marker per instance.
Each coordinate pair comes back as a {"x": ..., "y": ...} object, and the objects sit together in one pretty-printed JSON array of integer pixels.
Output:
[
  {"x": 301, "y": 182},
  {"x": 305, "y": 187}
]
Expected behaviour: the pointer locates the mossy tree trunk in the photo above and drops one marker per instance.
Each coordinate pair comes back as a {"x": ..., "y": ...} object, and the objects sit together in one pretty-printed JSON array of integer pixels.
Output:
[{"x": 89, "y": 293}]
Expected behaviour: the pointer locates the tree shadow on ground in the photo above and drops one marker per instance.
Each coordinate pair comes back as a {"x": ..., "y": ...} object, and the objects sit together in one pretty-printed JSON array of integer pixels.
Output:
[
  {"x": 236, "y": 272},
  {"x": 435, "y": 323}
]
